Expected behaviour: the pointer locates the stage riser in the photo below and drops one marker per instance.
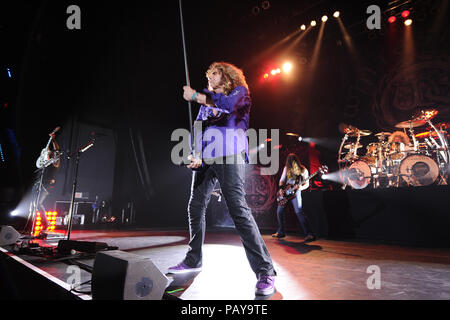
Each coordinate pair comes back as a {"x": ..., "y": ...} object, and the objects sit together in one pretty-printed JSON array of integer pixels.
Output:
[
  {"x": 20, "y": 282},
  {"x": 411, "y": 216}
]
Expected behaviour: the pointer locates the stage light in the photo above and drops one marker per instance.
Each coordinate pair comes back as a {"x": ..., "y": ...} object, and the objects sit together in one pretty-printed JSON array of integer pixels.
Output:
[
  {"x": 273, "y": 72},
  {"x": 266, "y": 76},
  {"x": 313, "y": 23},
  {"x": 408, "y": 22},
  {"x": 303, "y": 27},
  {"x": 336, "y": 14},
  {"x": 392, "y": 19},
  {"x": 287, "y": 67},
  {"x": 324, "y": 18},
  {"x": 300, "y": 139},
  {"x": 14, "y": 213},
  {"x": 278, "y": 70},
  {"x": 405, "y": 14}
]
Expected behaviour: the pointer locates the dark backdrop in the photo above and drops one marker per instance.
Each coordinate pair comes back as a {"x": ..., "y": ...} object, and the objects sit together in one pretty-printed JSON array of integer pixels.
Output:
[{"x": 124, "y": 71}]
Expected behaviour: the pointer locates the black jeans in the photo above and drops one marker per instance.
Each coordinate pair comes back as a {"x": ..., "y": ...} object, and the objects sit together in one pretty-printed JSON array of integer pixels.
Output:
[{"x": 231, "y": 178}]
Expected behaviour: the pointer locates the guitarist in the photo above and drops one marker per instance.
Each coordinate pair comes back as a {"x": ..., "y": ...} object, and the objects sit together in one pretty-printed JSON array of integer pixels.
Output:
[
  {"x": 48, "y": 165},
  {"x": 293, "y": 175}
]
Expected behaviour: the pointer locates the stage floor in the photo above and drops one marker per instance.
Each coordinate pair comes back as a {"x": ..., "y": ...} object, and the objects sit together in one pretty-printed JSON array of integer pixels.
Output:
[{"x": 321, "y": 270}]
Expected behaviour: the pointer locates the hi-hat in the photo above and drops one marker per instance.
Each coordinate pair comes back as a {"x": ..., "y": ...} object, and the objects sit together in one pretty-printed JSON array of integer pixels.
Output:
[{"x": 410, "y": 124}]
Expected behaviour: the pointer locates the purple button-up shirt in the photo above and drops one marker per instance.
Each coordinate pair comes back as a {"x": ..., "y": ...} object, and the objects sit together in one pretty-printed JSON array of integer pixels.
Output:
[{"x": 230, "y": 124}]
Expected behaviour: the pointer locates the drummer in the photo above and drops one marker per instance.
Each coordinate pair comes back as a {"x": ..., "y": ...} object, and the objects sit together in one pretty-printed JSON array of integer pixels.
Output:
[{"x": 403, "y": 139}]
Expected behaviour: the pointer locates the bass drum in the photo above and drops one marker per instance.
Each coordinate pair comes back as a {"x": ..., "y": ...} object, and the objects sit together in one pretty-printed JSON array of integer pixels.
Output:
[
  {"x": 419, "y": 170},
  {"x": 359, "y": 175}
]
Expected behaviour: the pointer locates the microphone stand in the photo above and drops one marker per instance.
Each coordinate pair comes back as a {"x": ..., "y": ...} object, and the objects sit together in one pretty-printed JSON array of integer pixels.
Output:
[
  {"x": 188, "y": 81},
  {"x": 66, "y": 246},
  {"x": 77, "y": 155}
]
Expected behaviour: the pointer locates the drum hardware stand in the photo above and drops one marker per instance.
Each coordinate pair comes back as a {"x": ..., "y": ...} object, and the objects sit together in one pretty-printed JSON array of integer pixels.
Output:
[
  {"x": 413, "y": 136},
  {"x": 443, "y": 151},
  {"x": 343, "y": 170},
  {"x": 355, "y": 155}
]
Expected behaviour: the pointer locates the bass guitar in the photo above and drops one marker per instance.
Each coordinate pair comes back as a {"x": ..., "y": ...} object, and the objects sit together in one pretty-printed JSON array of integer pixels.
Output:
[{"x": 288, "y": 192}]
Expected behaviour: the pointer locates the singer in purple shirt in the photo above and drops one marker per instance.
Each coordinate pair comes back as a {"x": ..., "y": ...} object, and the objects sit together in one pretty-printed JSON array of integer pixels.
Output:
[{"x": 224, "y": 111}]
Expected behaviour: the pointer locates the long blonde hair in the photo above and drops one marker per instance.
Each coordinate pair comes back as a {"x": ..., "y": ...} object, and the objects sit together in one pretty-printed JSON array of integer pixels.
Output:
[
  {"x": 294, "y": 167},
  {"x": 232, "y": 76}
]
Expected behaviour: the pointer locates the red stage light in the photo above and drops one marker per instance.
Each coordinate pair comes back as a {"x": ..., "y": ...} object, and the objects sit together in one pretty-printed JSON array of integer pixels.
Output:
[
  {"x": 266, "y": 76},
  {"x": 405, "y": 14},
  {"x": 392, "y": 19},
  {"x": 51, "y": 218}
]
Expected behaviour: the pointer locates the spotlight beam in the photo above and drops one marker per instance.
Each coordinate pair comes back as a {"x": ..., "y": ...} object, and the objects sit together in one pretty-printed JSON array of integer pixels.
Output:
[{"x": 317, "y": 47}]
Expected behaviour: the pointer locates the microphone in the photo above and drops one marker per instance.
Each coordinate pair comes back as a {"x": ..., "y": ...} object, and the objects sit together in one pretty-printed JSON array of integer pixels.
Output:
[{"x": 86, "y": 148}]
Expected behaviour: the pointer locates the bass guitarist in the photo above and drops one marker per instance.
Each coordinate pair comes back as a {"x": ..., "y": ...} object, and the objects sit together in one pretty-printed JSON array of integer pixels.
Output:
[{"x": 295, "y": 177}]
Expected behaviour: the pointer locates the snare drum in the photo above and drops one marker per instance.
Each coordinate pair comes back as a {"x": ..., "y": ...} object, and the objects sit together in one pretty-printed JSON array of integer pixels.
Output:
[
  {"x": 419, "y": 170},
  {"x": 397, "y": 150}
]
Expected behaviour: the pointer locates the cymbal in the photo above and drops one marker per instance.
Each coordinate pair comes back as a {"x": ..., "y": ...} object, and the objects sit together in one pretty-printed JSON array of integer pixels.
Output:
[
  {"x": 426, "y": 114},
  {"x": 365, "y": 132},
  {"x": 346, "y": 128},
  {"x": 386, "y": 134},
  {"x": 352, "y": 146},
  {"x": 410, "y": 123},
  {"x": 362, "y": 133},
  {"x": 292, "y": 134}
]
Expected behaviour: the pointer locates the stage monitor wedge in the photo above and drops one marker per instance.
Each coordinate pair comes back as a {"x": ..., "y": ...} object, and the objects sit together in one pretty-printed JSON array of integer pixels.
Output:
[
  {"x": 119, "y": 275},
  {"x": 8, "y": 235}
]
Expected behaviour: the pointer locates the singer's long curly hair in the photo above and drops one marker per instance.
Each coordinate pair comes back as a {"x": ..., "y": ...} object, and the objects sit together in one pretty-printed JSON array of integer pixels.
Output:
[{"x": 232, "y": 76}]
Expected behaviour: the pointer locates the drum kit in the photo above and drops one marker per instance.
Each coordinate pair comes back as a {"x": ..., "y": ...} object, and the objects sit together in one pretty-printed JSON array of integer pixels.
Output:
[{"x": 401, "y": 158}]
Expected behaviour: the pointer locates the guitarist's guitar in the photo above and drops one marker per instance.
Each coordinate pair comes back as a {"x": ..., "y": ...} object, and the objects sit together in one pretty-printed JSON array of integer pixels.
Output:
[
  {"x": 289, "y": 191},
  {"x": 44, "y": 159}
]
